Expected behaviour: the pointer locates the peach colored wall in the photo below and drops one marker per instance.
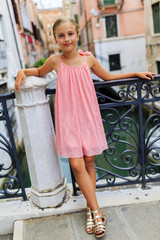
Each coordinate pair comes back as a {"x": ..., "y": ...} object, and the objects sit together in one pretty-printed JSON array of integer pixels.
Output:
[{"x": 130, "y": 18}]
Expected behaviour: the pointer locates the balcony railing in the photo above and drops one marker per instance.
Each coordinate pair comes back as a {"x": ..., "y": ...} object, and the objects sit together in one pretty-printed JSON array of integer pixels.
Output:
[
  {"x": 131, "y": 119},
  {"x": 110, "y": 3},
  {"x": 10, "y": 173}
]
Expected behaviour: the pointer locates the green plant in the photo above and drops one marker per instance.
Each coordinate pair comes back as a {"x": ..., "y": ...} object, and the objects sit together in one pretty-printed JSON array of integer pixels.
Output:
[
  {"x": 26, "y": 65},
  {"x": 39, "y": 63}
]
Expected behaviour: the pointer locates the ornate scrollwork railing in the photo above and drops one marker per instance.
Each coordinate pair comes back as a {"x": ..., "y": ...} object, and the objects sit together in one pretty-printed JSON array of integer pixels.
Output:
[
  {"x": 131, "y": 120},
  {"x": 10, "y": 173}
]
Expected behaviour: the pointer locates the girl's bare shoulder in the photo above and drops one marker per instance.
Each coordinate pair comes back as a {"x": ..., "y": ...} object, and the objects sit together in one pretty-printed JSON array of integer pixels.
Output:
[
  {"x": 90, "y": 60},
  {"x": 54, "y": 61}
]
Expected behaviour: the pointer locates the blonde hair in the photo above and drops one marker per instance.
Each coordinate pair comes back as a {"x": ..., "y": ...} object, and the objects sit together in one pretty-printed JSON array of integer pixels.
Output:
[{"x": 59, "y": 21}]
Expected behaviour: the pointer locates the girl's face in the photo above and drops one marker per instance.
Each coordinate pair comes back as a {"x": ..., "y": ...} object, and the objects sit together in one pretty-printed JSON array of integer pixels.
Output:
[{"x": 66, "y": 36}]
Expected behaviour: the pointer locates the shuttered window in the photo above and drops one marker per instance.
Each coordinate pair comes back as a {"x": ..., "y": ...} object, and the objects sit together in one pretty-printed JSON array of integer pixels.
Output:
[
  {"x": 105, "y": 2},
  {"x": 111, "y": 26},
  {"x": 156, "y": 17}
]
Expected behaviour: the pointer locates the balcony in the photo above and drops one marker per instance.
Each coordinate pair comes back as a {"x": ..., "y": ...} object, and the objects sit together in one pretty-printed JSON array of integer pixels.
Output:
[
  {"x": 131, "y": 119},
  {"x": 103, "y": 4}
]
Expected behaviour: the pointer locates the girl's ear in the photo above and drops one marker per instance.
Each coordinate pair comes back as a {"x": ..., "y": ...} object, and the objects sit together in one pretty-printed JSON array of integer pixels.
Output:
[{"x": 77, "y": 36}]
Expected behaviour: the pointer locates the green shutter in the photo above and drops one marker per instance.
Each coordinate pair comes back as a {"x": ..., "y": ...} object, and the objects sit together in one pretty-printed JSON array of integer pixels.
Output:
[
  {"x": 156, "y": 17},
  {"x": 108, "y": 2},
  {"x": 111, "y": 26}
]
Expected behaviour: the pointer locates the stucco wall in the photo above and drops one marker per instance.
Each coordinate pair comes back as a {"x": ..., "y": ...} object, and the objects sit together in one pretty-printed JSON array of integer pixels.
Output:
[{"x": 131, "y": 49}]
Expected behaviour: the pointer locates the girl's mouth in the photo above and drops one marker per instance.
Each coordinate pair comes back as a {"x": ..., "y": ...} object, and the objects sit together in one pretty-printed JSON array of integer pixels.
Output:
[{"x": 68, "y": 44}]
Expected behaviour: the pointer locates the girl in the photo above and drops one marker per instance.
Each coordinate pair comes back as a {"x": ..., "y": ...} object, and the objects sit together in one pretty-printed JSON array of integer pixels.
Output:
[{"x": 79, "y": 130}]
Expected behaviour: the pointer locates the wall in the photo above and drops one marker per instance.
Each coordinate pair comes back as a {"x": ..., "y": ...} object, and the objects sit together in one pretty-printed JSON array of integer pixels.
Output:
[{"x": 131, "y": 49}]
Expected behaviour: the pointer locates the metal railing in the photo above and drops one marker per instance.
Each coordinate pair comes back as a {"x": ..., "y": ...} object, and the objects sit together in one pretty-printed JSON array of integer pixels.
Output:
[
  {"x": 10, "y": 173},
  {"x": 131, "y": 120}
]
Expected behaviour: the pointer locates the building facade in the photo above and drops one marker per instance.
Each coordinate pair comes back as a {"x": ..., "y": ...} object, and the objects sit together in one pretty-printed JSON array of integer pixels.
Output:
[
  {"x": 152, "y": 18},
  {"x": 47, "y": 17},
  {"x": 29, "y": 29},
  {"x": 114, "y": 30}
]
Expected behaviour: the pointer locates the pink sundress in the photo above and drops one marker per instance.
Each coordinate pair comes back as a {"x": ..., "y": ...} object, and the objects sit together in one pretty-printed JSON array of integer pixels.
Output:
[{"x": 79, "y": 128}]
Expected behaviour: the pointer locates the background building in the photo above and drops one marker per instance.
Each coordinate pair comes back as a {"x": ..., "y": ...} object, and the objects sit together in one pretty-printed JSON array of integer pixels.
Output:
[
  {"x": 28, "y": 27},
  {"x": 152, "y": 18},
  {"x": 47, "y": 17},
  {"x": 115, "y": 31}
]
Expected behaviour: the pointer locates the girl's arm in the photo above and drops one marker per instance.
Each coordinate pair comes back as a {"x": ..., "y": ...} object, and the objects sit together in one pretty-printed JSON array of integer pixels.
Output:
[
  {"x": 47, "y": 67},
  {"x": 102, "y": 73}
]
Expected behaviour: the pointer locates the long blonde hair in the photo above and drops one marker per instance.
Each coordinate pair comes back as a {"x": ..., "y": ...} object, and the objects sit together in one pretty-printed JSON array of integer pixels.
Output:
[{"x": 59, "y": 21}]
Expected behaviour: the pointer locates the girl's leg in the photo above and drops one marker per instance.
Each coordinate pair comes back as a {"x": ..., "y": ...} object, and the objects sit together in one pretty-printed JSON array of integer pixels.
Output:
[
  {"x": 84, "y": 181},
  {"x": 90, "y": 167}
]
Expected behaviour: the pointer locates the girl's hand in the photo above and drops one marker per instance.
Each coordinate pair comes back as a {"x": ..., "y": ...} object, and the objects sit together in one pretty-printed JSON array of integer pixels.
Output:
[
  {"x": 20, "y": 77},
  {"x": 145, "y": 75}
]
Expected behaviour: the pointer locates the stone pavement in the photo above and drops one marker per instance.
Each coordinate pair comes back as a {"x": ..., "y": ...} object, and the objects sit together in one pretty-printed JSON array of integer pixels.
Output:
[
  {"x": 130, "y": 222},
  {"x": 133, "y": 214}
]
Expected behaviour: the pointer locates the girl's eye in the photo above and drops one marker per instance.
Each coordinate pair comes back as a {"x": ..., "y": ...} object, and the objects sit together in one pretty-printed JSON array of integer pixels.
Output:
[
  {"x": 70, "y": 34},
  {"x": 60, "y": 35}
]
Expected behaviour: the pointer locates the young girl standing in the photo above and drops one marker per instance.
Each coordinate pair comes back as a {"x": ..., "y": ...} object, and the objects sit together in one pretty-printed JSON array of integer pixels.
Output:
[{"x": 79, "y": 130}]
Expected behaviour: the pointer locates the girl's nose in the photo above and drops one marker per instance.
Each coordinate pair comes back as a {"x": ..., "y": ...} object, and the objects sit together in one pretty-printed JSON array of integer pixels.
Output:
[{"x": 66, "y": 38}]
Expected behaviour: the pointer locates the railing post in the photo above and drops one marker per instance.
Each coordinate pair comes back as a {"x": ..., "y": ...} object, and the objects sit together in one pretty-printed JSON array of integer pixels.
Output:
[
  {"x": 141, "y": 135},
  {"x": 48, "y": 184}
]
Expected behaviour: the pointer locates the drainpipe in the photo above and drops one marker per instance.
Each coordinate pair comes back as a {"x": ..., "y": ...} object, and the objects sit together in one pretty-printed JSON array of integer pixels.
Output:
[{"x": 15, "y": 38}]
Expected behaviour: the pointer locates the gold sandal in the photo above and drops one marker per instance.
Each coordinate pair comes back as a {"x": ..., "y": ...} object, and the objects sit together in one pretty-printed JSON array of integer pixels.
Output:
[
  {"x": 99, "y": 226},
  {"x": 90, "y": 222}
]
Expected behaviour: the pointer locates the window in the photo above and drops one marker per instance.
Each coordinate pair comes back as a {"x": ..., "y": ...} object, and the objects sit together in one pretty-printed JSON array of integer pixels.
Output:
[
  {"x": 1, "y": 30},
  {"x": 105, "y": 2},
  {"x": 158, "y": 67},
  {"x": 111, "y": 26},
  {"x": 114, "y": 62},
  {"x": 156, "y": 17},
  {"x": 15, "y": 12}
]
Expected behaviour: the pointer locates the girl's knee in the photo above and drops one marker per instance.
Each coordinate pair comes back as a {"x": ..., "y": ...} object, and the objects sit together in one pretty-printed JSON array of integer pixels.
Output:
[
  {"x": 89, "y": 160},
  {"x": 76, "y": 165}
]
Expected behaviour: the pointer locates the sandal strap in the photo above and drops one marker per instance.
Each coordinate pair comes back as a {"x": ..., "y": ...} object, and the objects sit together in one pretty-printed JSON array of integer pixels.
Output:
[
  {"x": 88, "y": 213},
  {"x": 90, "y": 221},
  {"x": 99, "y": 225},
  {"x": 95, "y": 211}
]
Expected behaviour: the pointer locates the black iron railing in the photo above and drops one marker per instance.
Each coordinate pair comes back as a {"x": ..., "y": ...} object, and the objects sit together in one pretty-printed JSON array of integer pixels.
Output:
[
  {"x": 131, "y": 119},
  {"x": 10, "y": 173}
]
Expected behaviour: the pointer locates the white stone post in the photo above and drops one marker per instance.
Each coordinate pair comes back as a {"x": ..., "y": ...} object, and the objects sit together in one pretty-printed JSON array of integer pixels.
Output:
[{"x": 48, "y": 184}]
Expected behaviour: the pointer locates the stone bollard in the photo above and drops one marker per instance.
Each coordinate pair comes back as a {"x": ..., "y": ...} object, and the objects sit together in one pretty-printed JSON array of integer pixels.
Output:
[{"x": 48, "y": 184}]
